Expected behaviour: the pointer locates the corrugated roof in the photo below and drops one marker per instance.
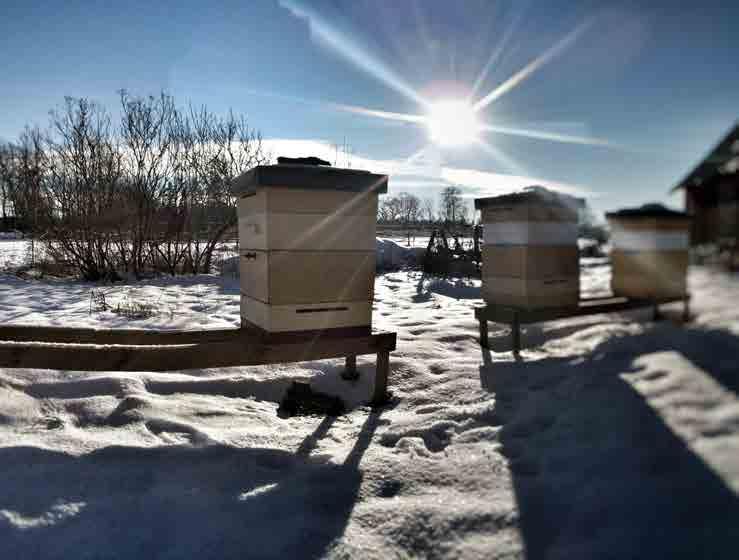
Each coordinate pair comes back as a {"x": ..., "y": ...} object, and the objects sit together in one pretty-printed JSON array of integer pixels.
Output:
[{"x": 723, "y": 159}]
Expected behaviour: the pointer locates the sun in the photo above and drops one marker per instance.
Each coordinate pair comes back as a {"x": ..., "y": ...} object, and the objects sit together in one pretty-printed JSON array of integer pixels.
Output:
[{"x": 452, "y": 123}]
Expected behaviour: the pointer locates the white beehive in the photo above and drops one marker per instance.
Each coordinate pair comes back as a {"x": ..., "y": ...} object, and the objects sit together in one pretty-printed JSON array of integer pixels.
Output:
[
  {"x": 530, "y": 256},
  {"x": 649, "y": 254},
  {"x": 307, "y": 244}
]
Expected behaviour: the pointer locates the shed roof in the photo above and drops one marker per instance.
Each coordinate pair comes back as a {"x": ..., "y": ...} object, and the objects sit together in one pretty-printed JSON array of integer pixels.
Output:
[
  {"x": 319, "y": 177},
  {"x": 722, "y": 160}
]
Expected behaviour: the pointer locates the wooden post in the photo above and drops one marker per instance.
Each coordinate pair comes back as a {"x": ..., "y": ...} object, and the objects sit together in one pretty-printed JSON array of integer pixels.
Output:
[
  {"x": 379, "y": 396},
  {"x": 686, "y": 309},
  {"x": 516, "y": 333},
  {"x": 656, "y": 315},
  {"x": 350, "y": 373},
  {"x": 484, "y": 333}
]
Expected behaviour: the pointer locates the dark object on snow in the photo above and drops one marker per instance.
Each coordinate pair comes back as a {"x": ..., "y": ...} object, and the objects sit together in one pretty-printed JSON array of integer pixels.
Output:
[
  {"x": 282, "y": 160},
  {"x": 301, "y": 400},
  {"x": 457, "y": 258}
]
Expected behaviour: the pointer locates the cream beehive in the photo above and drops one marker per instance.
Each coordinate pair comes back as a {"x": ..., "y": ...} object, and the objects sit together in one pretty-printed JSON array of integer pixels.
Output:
[
  {"x": 529, "y": 255},
  {"x": 307, "y": 246},
  {"x": 649, "y": 254}
]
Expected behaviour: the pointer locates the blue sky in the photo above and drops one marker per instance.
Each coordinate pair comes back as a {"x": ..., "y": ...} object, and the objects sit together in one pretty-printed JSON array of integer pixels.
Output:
[{"x": 657, "y": 80}]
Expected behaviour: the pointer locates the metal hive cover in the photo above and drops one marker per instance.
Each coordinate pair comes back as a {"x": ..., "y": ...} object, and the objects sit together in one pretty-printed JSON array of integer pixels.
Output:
[
  {"x": 652, "y": 210},
  {"x": 530, "y": 194},
  {"x": 298, "y": 176}
]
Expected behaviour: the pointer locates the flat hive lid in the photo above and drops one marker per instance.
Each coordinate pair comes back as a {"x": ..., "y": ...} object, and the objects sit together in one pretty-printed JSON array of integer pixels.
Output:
[
  {"x": 530, "y": 194},
  {"x": 649, "y": 211},
  {"x": 319, "y": 177}
]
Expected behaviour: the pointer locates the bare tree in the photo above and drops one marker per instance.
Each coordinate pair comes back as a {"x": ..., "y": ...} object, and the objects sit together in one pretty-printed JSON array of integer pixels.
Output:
[
  {"x": 453, "y": 208},
  {"x": 428, "y": 209},
  {"x": 214, "y": 151},
  {"x": 6, "y": 170},
  {"x": 410, "y": 212},
  {"x": 82, "y": 182},
  {"x": 389, "y": 209},
  {"x": 147, "y": 164},
  {"x": 150, "y": 194}
]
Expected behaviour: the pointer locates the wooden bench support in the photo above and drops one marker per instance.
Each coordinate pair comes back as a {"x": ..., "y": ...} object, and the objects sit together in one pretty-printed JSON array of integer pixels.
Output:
[
  {"x": 380, "y": 395},
  {"x": 350, "y": 373},
  {"x": 516, "y": 333},
  {"x": 125, "y": 350},
  {"x": 484, "y": 342},
  {"x": 515, "y": 317}
]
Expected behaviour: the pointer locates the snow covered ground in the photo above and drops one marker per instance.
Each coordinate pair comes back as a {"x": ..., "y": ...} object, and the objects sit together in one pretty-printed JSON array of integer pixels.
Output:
[{"x": 610, "y": 436}]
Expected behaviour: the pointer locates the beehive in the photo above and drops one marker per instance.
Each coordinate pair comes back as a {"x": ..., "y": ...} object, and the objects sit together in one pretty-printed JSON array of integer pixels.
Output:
[
  {"x": 307, "y": 246},
  {"x": 649, "y": 254},
  {"x": 529, "y": 254}
]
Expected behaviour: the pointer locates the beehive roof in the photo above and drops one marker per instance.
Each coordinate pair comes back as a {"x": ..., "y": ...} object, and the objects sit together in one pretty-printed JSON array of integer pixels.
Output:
[
  {"x": 319, "y": 177},
  {"x": 531, "y": 194},
  {"x": 652, "y": 210}
]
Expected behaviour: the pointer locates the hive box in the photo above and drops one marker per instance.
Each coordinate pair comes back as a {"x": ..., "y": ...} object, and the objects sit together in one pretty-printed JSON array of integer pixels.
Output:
[
  {"x": 530, "y": 256},
  {"x": 649, "y": 253},
  {"x": 307, "y": 247}
]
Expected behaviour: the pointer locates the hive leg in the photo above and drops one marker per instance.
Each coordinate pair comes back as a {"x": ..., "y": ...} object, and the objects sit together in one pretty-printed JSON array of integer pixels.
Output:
[
  {"x": 516, "y": 333},
  {"x": 656, "y": 314},
  {"x": 686, "y": 309},
  {"x": 380, "y": 396},
  {"x": 484, "y": 333},
  {"x": 350, "y": 373}
]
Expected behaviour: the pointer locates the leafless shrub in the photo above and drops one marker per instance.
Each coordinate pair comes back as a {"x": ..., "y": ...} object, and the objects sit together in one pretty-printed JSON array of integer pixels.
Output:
[{"x": 149, "y": 195}]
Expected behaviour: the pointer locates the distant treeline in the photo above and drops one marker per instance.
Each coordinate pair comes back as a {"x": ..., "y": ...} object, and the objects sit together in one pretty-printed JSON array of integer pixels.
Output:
[
  {"x": 150, "y": 192},
  {"x": 410, "y": 213},
  {"x": 408, "y": 209}
]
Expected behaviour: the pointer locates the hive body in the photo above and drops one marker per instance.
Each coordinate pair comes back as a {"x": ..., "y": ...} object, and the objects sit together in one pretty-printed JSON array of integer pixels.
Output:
[
  {"x": 530, "y": 256},
  {"x": 649, "y": 253},
  {"x": 307, "y": 247}
]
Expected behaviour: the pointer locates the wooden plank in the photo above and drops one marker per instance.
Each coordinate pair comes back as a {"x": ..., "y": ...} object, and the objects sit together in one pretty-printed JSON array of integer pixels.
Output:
[
  {"x": 590, "y": 306},
  {"x": 241, "y": 351},
  {"x": 114, "y": 336},
  {"x": 382, "y": 372}
]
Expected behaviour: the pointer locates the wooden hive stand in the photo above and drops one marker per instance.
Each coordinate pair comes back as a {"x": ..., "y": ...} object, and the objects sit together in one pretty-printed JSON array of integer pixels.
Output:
[
  {"x": 516, "y": 316},
  {"x": 150, "y": 350}
]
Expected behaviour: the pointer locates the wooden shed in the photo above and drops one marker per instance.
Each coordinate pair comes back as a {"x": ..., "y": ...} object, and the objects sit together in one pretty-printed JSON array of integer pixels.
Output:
[
  {"x": 712, "y": 196},
  {"x": 650, "y": 252},
  {"x": 529, "y": 253},
  {"x": 307, "y": 243}
]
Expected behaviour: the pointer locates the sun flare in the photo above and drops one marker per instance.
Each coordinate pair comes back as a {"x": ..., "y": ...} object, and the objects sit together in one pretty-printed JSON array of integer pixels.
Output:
[{"x": 452, "y": 123}]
